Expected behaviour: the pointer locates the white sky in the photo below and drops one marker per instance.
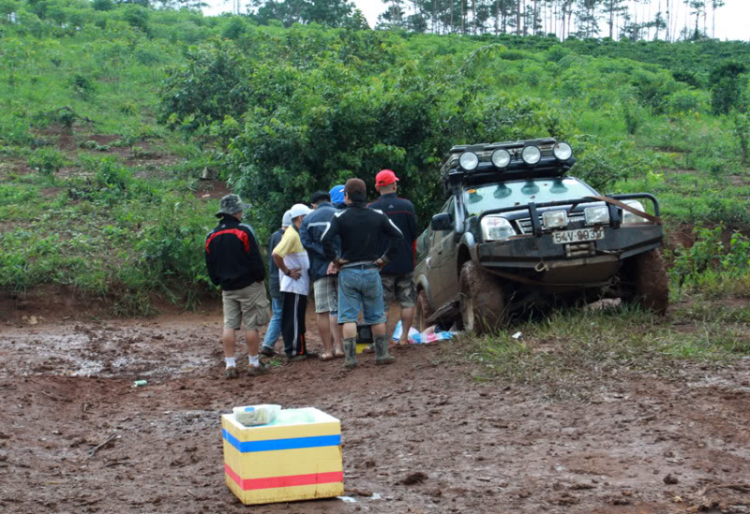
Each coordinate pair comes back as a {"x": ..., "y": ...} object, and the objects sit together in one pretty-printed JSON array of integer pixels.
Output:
[{"x": 732, "y": 20}]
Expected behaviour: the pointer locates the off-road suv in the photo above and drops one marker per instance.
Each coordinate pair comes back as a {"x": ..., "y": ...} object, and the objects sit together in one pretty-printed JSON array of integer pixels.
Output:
[{"x": 515, "y": 232}]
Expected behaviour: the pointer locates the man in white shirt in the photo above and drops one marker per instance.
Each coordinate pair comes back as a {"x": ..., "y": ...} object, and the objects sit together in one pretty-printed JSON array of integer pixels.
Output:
[{"x": 293, "y": 263}]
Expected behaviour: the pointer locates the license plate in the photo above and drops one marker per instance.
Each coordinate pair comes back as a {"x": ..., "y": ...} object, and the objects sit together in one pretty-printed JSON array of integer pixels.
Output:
[{"x": 577, "y": 236}]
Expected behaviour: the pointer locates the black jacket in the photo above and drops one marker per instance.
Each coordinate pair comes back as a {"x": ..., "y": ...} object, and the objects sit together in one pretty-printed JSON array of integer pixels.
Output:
[
  {"x": 401, "y": 212},
  {"x": 310, "y": 233},
  {"x": 273, "y": 270},
  {"x": 232, "y": 255},
  {"x": 366, "y": 235}
]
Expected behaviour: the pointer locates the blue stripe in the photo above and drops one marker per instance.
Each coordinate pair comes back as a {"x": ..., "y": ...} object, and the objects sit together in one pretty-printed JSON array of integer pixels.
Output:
[{"x": 282, "y": 444}]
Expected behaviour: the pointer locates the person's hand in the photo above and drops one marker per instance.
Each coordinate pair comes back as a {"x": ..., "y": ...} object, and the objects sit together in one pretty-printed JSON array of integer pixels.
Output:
[
  {"x": 295, "y": 273},
  {"x": 333, "y": 268},
  {"x": 380, "y": 263}
]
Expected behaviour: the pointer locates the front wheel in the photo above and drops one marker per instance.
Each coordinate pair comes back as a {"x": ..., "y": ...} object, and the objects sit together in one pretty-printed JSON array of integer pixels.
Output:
[
  {"x": 423, "y": 311},
  {"x": 647, "y": 274},
  {"x": 482, "y": 304}
]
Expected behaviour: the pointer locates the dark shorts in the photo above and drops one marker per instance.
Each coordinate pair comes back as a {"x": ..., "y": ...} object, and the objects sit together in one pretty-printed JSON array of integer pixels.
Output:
[{"x": 400, "y": 287}]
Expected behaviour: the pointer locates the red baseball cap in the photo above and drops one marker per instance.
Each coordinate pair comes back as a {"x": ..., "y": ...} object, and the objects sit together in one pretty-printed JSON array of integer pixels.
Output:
[{"x": 385, "y": 178}]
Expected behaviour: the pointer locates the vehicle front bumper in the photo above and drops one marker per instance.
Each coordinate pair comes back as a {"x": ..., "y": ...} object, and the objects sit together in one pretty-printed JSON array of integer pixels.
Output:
[{"x": 540, "y": 259}]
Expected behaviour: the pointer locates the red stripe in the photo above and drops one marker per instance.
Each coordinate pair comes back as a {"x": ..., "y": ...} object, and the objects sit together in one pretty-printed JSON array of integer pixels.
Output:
[
  {"x": 251, "y": 484},
  {"x": 237, "y": 232}
]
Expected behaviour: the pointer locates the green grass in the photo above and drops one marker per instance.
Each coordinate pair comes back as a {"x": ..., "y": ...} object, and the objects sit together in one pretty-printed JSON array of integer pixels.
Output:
[{"x": 568, "y": 351}]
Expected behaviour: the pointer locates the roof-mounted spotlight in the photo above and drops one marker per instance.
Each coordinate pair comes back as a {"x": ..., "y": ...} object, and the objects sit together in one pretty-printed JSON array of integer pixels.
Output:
[
  {"x": 562, "y": 151},
  {"x": 501, "y": 158},
  {"x": 468, "y": 161},
  {"x": 531, "y": 155}
]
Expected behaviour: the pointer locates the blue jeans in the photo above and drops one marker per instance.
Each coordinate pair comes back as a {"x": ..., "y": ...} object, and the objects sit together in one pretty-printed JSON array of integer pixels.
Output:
[
  {"x": 360, "y": 287},
  {"x": 274, "y": 326}
]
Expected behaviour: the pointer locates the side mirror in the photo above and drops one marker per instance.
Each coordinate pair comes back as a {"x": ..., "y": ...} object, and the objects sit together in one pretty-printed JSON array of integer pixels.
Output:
[{"x": 441, "y": 222}]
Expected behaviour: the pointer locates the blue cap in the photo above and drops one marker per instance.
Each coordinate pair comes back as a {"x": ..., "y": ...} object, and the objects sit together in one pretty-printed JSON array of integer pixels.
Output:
[{"x": 337, "y": 194}]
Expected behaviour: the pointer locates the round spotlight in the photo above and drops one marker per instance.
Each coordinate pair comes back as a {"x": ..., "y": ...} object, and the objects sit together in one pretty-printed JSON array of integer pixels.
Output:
[
  {"x": 563, "y": 151},
  {"x": 469, "y": 161},
  {"x": 531, "y": 155},
  {"x": 500, "y": 158}
]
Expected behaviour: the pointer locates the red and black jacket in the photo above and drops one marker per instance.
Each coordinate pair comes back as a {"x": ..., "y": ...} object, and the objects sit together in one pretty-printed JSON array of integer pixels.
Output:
[{"x": 232, "y": 255}]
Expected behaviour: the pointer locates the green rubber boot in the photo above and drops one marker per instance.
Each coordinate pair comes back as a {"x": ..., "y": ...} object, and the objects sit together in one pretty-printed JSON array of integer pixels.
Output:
[
  {"x": 381, "y": 351},
  {"x": 350, "y": 352}
]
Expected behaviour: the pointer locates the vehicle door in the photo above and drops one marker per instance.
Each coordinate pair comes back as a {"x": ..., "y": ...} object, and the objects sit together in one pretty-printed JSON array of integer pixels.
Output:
[{"x": 442, "y": 255}]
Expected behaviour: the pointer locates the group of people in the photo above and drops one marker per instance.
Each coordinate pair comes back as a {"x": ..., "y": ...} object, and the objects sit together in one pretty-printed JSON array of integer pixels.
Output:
[{"x": 358, "y": 258}]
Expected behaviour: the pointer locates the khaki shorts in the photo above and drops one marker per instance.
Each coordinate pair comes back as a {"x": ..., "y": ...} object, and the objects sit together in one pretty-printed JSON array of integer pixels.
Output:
[
  {"x": 248, "y": 305},
  {"x": 326, "y": 294},
  {"x": 399, "y": 286}
]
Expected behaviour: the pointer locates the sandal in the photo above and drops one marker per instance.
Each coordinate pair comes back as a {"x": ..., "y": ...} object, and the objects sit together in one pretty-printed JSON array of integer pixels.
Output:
[
  {"x": 326, "y": 357},
  {"x": 338, "y": 355}
]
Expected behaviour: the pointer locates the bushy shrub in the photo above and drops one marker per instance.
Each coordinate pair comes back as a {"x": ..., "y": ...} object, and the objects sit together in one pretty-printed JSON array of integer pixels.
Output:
[{"x": 686, "y": 101}]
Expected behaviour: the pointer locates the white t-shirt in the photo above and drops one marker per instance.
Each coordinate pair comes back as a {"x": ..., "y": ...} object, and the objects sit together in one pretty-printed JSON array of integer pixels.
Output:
[{"x": 295, "y": 256}]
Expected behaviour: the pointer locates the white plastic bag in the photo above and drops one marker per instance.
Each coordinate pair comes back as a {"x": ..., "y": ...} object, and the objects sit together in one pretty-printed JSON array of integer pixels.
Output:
[{"x": 254, "y": 415}]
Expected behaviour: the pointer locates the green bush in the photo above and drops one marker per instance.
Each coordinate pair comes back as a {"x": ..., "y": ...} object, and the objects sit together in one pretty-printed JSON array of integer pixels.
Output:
[{"x": 47, "y": 161}]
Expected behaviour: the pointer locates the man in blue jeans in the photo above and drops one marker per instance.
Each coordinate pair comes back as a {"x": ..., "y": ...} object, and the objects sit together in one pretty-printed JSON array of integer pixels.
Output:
[
  {"x": 362, "y": 232},
  {"x": 277, "y": 298}
]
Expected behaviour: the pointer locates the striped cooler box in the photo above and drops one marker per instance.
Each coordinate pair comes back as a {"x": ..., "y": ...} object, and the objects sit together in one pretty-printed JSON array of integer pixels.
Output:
[{"x": 297, "y": 457}]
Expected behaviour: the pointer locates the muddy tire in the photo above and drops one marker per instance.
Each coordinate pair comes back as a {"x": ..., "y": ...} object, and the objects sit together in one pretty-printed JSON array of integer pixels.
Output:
[
  {"x": 650, "y": 282},
  {"x": 482, "y": 305},
  {"x": 423, "y": 311}
]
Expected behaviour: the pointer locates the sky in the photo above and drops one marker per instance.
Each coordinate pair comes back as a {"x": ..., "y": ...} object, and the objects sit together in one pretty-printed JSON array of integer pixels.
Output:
[{"x": 733, "y": 20}]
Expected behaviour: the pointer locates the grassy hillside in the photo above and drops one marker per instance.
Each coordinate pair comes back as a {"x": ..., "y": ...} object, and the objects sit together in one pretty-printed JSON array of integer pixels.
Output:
[{"x": 110, "y": 115}]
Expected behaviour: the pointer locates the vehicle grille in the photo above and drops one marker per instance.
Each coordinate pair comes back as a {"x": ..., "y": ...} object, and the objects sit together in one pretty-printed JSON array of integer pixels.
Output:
[{"x": 524, "y": 224}]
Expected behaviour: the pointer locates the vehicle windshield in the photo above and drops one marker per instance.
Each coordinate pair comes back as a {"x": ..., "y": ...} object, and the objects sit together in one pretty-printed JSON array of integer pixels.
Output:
[{"x": 521, "y": 192}]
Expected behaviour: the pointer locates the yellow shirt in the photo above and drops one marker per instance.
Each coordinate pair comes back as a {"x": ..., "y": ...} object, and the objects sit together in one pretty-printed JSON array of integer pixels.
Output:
[{"x": 295, "y": 257}]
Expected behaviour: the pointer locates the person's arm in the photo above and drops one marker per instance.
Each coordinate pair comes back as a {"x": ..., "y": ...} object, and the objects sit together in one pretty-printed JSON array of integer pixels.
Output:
[
  {"x": 254, "y": 258},
  {"x": 281, "y": 250},
  {"x": 308, "y": 241},
  {"x": 393, "y": 236},
  {"x": 211, "y": 266},
  {"x": 328, "y": 239}
]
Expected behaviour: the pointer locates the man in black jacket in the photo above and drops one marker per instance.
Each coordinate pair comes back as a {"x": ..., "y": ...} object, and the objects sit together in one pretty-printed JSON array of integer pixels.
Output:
[
  {"x": 362, "y": 232},
  {"x": 234, "y": 262},
  {"x": 325, "y": 285},
  {"x": 397, "y": 275}
]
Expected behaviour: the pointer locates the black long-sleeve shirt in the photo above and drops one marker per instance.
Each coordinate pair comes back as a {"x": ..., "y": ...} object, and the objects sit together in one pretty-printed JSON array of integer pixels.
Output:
[
  {"x": 233, "y": 257},
  {"x": 401, "y": 212},
  {"x": 364, "y": 234}
]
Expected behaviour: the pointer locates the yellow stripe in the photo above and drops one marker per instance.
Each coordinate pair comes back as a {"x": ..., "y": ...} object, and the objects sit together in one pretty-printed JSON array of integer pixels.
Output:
[
  {"x": 286, "y": 494},
  {"x": 304, "y": 461},
  {"x": 280, "y": 432}
]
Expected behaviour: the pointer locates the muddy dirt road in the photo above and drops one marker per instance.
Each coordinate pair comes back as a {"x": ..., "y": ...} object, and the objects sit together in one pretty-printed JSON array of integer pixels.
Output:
[{"x": 423, "y": 433}]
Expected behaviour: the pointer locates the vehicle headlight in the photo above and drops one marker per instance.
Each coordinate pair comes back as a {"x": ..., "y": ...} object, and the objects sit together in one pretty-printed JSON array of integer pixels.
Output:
[
  {"x": 496, "y": 228},
  {"x": 598, "y": 215},
  {"x": 500, "y": 158},
  {"x": 629, "y": 217},
  {"x": 531, "y": 155},
  {"x": 554, "y": 219},
  {"x": 563, "y": 151},
  {"x": 469, "y": 161}
]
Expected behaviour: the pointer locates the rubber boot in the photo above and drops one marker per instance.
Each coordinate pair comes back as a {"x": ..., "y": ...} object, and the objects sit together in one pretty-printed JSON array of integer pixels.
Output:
[
  {"x": 381, "y": 350},
  {"x": 350, "y": 352}
]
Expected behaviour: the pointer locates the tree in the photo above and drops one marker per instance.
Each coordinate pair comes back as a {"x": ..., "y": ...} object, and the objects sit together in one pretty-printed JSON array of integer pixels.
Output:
[
  {"x": 726, "y": 87},
  {"x": 715, "y": 4}
]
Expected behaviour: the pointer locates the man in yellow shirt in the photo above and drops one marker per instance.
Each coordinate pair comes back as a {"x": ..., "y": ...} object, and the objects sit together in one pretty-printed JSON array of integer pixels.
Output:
[{"x": 294, "y": 282}]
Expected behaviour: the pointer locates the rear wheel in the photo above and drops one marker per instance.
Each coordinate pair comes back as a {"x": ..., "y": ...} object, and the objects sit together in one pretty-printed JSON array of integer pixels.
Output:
[
  {"x": 647, "y": 274},
  {"x": 482, "y": 305},
  {"x": 423, "y": 311}
]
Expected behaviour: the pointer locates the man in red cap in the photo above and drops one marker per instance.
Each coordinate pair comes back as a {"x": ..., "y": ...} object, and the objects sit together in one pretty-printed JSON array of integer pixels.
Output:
[{"x": 397, "y": 275}]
